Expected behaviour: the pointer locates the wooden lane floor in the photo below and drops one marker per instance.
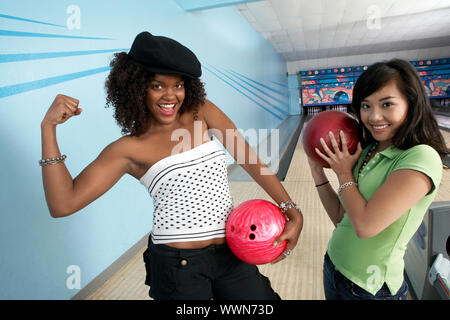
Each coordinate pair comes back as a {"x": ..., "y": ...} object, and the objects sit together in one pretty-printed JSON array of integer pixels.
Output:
[{"x": 298, "y": 277}]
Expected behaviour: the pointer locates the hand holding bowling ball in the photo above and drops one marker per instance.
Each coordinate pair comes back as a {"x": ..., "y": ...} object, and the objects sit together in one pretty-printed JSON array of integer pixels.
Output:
[
  {"x": 251, "y": 230},
  {"x": 319, "y": 127}
]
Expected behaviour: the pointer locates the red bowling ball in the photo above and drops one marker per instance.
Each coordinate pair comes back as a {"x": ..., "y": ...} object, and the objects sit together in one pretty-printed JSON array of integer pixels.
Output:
[
  {"x": 324, "y": 122},
  {"x": 251, "y": 229}
]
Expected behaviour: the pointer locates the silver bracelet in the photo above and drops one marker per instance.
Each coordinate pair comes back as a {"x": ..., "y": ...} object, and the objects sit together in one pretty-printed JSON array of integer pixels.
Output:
[
  {"x": 345, "y": 185},
  {"x": 49, "y": 161},
  {"x": 284, "y": 206}
]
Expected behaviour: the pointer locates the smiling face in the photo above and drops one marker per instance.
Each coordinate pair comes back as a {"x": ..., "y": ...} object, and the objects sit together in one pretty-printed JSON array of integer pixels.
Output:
[
  {"x": 165, "y": 95},
  {"x": 383, "y": 113}
]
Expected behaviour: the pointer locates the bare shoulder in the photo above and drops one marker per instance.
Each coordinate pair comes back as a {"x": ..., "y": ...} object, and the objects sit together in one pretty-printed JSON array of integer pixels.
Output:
[
  {"x": 121, "y": 146},
  {"x": 138, "y": 154},
  {"x": 110, "y": 164},
  {"x": 120, "y": 152},
  {"x": 213, "y": 115},
  {"x": 208, "y": 108}
]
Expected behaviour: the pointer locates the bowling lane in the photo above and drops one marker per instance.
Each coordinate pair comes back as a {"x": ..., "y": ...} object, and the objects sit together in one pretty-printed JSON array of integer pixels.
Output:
[
  {"x": 299, "y": 276},
  {"x": 443, "y": 121}
]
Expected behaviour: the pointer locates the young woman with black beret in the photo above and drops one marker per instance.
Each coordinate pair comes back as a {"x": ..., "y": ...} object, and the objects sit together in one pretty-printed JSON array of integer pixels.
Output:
[{"x": 158, "y": 100}]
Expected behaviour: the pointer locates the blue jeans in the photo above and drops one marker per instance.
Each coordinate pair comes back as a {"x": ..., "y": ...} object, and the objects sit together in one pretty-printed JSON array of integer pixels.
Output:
[{"x": 338, "y": 287}]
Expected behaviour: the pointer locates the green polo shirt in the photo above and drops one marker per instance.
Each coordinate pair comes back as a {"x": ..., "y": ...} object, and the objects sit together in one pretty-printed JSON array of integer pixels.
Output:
[{"x": 372, "y": 261}]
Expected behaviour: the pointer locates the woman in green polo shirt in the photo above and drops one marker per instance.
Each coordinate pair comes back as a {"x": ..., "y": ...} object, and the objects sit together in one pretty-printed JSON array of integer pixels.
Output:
[{"x": 386, "y": 186}]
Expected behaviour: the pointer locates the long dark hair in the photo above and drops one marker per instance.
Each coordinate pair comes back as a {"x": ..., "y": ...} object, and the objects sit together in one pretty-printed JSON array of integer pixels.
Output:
[
  {"x": 126, "y": 89},
  {"x": 420, "y": 125}
]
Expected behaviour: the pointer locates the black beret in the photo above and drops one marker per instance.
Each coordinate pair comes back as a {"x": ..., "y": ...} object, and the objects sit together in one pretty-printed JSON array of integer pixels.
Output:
[{"x": 164, "y": 56}]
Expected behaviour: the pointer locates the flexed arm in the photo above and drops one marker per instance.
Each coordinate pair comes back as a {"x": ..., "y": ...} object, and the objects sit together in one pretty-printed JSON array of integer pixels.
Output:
[{"x": 63, "y": 194}]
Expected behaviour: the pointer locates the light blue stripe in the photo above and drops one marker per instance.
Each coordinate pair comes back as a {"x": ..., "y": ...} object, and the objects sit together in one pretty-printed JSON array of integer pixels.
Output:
[
  {"x": 243, "y": 93},
  {"x": 37, "y": 84},
  {"x": 28, "y": 20},
  {"x": 48, "y": 55},
  {"x": 273, "y": 106},
  {"x": 262, "y": 91},
  {"x": 280, "y": 84},
  {"x": 259, "y": 83},
  {"x": 10, "y": 33}
]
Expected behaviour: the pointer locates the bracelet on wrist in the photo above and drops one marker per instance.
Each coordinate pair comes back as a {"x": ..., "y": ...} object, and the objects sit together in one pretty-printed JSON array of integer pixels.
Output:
[
  {"x": 285, "y": 205},
  {"x": 49, "y": 161},
  {"x": 322, "y": 184},
  {"x": 345, "y": 185}
]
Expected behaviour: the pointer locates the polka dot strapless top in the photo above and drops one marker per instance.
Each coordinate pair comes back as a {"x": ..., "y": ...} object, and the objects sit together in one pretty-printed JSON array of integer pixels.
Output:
[{"x": 191, "y": 195}]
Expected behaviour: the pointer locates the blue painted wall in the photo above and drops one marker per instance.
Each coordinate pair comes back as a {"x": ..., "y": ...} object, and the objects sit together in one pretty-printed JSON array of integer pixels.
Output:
[
  {"x": 40, "y": 56},
  {"x": 294, "y": 95}
]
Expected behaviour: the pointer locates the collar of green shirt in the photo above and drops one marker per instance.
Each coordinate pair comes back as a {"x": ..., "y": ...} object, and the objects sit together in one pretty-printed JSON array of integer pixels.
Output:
[{"x": 391, "y": 152}]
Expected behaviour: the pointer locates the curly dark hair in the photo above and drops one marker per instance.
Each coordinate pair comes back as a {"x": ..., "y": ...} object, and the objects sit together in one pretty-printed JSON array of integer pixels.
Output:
[{"x": 126, "y": 88}]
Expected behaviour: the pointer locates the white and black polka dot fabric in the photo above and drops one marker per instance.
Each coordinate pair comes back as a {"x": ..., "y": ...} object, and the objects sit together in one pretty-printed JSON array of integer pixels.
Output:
[{"x": 191, "y": 195}]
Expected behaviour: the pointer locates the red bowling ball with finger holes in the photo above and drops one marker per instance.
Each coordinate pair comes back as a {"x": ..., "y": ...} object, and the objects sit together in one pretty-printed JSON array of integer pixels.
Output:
[
  {"x": 319, "y": 127},
  {"x": 251, "y": 229}
]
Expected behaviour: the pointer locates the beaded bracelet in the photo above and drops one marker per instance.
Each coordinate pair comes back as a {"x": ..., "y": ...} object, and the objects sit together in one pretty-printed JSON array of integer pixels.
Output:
[
  {"x": 284, "y": 206},
  {"x": 345, "y": 185},
  {"x": 49, "y": 161}
]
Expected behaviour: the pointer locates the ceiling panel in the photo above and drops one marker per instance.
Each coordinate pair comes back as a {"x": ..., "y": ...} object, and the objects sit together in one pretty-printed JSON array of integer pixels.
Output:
[{"x": 318, "y": 29}]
